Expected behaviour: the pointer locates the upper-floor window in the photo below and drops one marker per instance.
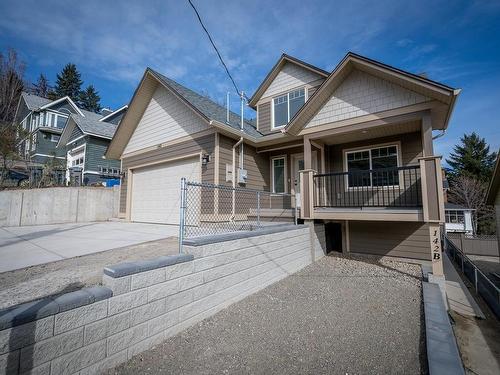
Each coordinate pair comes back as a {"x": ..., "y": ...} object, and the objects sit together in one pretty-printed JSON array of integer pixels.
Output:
[
  {"x": 455, "y": 217},
  {"x": 286, "y": 106},
  {"x": 55, "y": 137},
  {"x": 56, "y": 120},
  {"x": 373, "y": 167}
]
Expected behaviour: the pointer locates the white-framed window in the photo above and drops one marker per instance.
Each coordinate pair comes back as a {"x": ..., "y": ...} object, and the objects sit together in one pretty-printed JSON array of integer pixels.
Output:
[
  {"x": 33, "y": 142},
  {"x": 284, "y": 107},
  {"x": 373, "y": 167},
  {"x": 455, "y": 217},
  {"x": 56, "y": 120},
  {"x": 278, "y": 174},
  {"x": 55, "y": 137}
]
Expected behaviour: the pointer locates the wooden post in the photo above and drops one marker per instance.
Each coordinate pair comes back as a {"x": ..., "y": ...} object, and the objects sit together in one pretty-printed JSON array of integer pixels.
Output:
[{"x": 436, "y": 251}]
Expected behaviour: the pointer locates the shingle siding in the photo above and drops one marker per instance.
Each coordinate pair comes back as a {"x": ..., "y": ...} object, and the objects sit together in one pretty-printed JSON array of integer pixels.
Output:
[
  {"x": 361, "y": 94},
  {"x": 264, "y": 117},
  {"x": 165, "y": 118},
  {"x": 291, "y": 76}
]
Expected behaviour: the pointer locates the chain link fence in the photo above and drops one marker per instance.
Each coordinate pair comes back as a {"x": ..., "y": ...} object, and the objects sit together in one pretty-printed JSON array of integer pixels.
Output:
[
  {"x": 482, "y": 284},
  {"x": 208, "y": 209}
]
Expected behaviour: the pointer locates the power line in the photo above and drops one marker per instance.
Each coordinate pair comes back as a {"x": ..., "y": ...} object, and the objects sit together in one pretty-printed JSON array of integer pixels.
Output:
[{"x": 238, "y": 92}]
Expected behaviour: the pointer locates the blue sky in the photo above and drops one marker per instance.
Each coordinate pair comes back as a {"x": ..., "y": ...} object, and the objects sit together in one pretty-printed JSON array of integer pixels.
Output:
[{"x": 112, "y": 42}]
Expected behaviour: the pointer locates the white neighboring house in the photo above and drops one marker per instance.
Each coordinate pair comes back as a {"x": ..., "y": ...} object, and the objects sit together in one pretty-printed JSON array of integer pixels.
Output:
[{"x": 458, "y": 219}]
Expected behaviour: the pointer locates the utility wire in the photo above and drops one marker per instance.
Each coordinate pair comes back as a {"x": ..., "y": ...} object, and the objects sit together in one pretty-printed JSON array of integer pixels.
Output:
[{"x": 238, "y": 92}]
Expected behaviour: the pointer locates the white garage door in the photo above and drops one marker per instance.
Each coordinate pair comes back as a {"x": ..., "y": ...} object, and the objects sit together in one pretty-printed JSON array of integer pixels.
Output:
[{"x": 156, "y": 190}]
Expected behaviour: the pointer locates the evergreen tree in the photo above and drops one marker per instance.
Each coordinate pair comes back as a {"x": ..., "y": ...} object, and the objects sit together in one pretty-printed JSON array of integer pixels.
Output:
[
  {"x": 68, "y": 83},
  {"x": 90, "y": 99},
  {"x": 41, "y": 87},
  {"x": 471, "y": 158}
]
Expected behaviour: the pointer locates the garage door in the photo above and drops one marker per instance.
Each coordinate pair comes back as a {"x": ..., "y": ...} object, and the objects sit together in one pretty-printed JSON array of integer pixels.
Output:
[{"x": 156, "y": 190}]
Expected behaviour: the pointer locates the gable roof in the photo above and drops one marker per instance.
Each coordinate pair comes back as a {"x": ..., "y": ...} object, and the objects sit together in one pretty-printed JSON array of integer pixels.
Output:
[
  {"x": 427, "y": 87},
  {"x": 494, "y": 185},
  {"x": 284, "y": 58},
  {"x": 207, "y": 109},
  {"x": 66, "y": 98},
  {"x": 90, "y": 124},
  {"x": 34, "y": 101},
  {"x": 112, "y": 114}
]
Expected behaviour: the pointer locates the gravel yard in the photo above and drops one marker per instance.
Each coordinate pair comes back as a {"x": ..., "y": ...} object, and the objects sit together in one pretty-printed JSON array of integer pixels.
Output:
[
  {"x": 340, "y": 315},
  {"x": 67, "y": 275}
]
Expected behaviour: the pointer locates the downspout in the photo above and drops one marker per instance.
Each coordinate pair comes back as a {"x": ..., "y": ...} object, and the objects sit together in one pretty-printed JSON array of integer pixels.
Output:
[{"x": 240, "y": 142}]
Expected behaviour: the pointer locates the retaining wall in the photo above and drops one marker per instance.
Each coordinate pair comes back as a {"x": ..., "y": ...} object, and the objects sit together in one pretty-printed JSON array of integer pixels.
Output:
[
  {"x": 143, "y": 303},
  {"x": 58, "y": 205}
]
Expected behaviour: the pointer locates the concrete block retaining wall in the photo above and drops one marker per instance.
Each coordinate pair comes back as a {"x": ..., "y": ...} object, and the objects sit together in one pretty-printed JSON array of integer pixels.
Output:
[
  {"x": 58, "y": 205},
  {"x": 143, "y": 303}
]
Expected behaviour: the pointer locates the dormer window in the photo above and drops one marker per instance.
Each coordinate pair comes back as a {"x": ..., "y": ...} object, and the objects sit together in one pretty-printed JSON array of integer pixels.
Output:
[{"x": 286, "y": 106}]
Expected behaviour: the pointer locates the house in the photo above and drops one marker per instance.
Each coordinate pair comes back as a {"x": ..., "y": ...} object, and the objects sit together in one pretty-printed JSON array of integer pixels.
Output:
[
  {"x": 85, "y": 140},
  {"x": 44, "y": 120},
  {"x": 458, "y": 219},
  {"x": 355, "y": 144},
  {"x": 493, "y": 194}
]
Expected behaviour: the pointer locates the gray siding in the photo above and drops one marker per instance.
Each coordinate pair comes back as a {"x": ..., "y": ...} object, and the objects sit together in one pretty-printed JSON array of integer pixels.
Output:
[
  {"x": 397, "y": 239},
  {"x": 203, "y": 144},
  {"x": 94, "y": 151},
  {"x": 45, "y": 146},
  {"x": 75, "y": 133}
]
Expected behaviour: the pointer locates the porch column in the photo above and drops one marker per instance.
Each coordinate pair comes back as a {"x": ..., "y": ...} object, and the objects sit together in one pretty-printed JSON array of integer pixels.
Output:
[
  {"x": 433, "y": 206},
  {"x": 426, "y": 134}
]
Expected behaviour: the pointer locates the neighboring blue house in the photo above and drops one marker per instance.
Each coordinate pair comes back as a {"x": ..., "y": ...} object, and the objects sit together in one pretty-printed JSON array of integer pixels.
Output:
[
  {"x": 45, "y": 120},
  {"x": 85, "y": 140}
]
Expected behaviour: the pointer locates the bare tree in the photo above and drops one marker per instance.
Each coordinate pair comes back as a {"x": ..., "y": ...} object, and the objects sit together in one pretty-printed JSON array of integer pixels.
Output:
[
  {"x": 471, "y": 193},
  {"x": 11, "y": 87}
]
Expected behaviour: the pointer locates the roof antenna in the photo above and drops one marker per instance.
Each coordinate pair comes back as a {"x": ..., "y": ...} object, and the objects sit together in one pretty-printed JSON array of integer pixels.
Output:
[
  {"x": 242, "y": 97},
  {"x": 227, "y": 107}
]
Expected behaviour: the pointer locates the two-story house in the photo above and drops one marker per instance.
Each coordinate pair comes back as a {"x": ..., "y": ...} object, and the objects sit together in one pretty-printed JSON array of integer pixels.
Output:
[
  {"x": 355, "y": 144},
  {"x": 43, "y": 120},
  {"x": 46, "y": 121},
  {"x": 85, "y": 140}
]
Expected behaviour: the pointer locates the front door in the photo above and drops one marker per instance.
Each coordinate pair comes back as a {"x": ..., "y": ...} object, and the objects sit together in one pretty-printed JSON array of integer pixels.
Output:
[{"x": 298, "y": 165}]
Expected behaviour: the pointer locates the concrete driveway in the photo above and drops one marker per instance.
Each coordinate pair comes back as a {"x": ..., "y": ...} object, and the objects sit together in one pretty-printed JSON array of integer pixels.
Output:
[{"x": 31, "y": 245}]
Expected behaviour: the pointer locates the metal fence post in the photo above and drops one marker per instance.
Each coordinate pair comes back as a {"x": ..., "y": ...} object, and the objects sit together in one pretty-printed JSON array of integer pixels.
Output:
[
  {"x": 258, "y": 209},
  {"x": 475, "y": 278},
  {"x": 182, "y": 213}
]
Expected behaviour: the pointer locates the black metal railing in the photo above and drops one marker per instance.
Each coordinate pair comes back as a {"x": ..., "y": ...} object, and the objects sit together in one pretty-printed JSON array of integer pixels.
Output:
[{"x": 387, "y": 187}]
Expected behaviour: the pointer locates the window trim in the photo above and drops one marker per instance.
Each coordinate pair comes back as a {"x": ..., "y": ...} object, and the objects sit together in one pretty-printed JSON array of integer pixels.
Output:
[
  {"x": 368, "y": 148},
  {"x": 287, "y": 93},
  {"x": 285, "y": 174}
]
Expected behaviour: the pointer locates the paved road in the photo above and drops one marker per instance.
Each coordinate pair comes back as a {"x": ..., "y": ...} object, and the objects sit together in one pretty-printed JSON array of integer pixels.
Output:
[
  {"x": 32, "y": 245},
  {"x": 337, "y": 316}
]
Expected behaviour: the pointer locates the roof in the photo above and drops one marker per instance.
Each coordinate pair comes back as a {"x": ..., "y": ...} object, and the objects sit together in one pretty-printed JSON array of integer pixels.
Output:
[
  {"x": 453, "y": 206},
  {"x": 34, "y": 101},
  {"x": 109, "y": 113},
  {"x": 438, "y": 91},
  {"x": 91, "y": 124},
  {"x": 207, "y": 107},
  {"x": 494, "y": 185},
  {"x": 284, "y": 58}
]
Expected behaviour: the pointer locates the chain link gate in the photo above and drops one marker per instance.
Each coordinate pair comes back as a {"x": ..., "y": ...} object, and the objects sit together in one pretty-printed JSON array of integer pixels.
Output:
[{"x": 207, "y": 209}]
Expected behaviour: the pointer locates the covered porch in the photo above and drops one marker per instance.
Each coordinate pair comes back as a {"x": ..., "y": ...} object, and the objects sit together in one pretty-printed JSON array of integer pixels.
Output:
[{"x": 378, "y": 170}]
